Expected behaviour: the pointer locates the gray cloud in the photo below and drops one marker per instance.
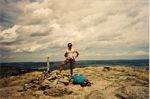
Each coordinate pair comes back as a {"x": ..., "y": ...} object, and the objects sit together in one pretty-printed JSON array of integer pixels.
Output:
[
  {"x": 38, "y": 34},
  {"x": 8, "y": 13}
]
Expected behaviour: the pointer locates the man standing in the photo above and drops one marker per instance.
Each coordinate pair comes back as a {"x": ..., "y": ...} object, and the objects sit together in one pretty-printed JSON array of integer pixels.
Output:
[{"x": 70, "y": 56}]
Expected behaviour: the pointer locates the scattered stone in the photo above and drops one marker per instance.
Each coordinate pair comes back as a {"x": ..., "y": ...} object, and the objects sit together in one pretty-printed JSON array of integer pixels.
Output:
[
  {"x": 49, "y": 84},
  {"x": 20, "y": 89},
  {"x": 37, "y": 87},
  {"x": 122, "y": 96},
  {"x": 32, "y": 80},
  {"x": 32, "y": 85},
  {"x": 26, "y": 86},
  {"x": 54, "y": 75},
  {"x": 41, "y": 78},
  {"x": 36, "y": 81},
  {"x": 65, "y": 81},
  {"x": 38, "y": 93},
  {"x": 55, "y": 71},
  {"x": 29, "y": 92},
  {"x": 106, "y": 68},
  {"x": 45, "y": 84},
  {"x": 55, "y": 81}
]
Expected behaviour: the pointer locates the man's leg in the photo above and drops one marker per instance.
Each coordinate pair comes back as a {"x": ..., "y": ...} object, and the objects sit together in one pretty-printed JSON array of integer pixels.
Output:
[
  {"x": 61, "y": 67},
  {"x": 71, "y": 68}
]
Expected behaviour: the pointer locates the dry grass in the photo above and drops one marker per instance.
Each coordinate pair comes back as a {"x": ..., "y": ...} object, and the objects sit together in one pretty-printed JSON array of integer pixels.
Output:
[
  {"x": 17, "y": 80},
  {"x": 139, "y": 73}
]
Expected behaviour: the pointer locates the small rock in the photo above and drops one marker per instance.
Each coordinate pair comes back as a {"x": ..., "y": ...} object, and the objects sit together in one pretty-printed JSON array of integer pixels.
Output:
[
  {"x": 106, "y": 68},
  {"x": 55, "y": 81},
  {"x": 122, "y": 95},
  {"x": 26, "y": 86},
  {"x": 20, "y": 89},
  {"x": 38, "y": 93},
  {"x": 65, "y": 81},
  {"x": 41, "y": 78},
  {"x": 43, "y": 87},
  {"x": 32, "y": 85},
  {"x": 45, "y": 84},
  {"x": 55, "y": 72},
  {"x": 51, "y": 85},
  {"x": 37, "y": 87},
  {"x": 52, "y": 77},
  {"x": 31, "y": 80},
  {"x": 29, "y": 92},
  {"x": 46, "y": 81},
  {"x": 36, "y": 81}
]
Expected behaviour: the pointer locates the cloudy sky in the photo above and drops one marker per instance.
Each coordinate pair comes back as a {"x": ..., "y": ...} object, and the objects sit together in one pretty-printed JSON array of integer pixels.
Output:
[{"x": 31, "y": 30}]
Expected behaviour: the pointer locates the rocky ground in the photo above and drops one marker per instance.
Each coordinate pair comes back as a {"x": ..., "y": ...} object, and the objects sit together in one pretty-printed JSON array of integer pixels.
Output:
[{"x": 116, "y": 83}]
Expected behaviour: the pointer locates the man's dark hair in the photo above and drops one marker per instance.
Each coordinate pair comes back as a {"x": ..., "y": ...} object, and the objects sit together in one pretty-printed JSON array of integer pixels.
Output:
[{"x": 69, "y": 44}]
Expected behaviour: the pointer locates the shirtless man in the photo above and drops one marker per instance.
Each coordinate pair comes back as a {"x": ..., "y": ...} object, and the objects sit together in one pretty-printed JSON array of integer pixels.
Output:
[{"x": 70, "y": 56}]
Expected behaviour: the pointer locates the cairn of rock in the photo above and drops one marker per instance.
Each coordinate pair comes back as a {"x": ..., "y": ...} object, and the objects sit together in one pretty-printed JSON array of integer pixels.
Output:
[{"x": 52, "y": 84}]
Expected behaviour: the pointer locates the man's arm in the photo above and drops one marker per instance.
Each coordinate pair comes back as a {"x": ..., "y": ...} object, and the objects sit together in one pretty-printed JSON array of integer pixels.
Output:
[
  {"x": 65, "y": 54},
  {"x": 77, "y": 54}
]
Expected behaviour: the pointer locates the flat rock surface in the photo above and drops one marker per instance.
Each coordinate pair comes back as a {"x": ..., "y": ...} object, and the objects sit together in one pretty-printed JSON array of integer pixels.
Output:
[{"x": 117, "y": 83}]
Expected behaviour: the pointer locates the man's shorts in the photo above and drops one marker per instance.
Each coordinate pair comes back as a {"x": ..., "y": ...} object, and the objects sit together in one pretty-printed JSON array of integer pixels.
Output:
[{"x": 70, "y": 60}]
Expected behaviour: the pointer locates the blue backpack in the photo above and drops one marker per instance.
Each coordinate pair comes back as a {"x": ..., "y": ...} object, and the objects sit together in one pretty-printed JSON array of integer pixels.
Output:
[{"x": 78, "y": 79}]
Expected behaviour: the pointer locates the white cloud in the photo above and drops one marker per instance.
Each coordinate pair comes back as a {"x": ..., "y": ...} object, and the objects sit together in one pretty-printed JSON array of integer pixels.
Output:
[{"x": 9, "y": 35}]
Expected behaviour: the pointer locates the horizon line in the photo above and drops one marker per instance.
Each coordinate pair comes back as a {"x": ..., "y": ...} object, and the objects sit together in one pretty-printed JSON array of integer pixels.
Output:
[{"x": 77, "y": 60}]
